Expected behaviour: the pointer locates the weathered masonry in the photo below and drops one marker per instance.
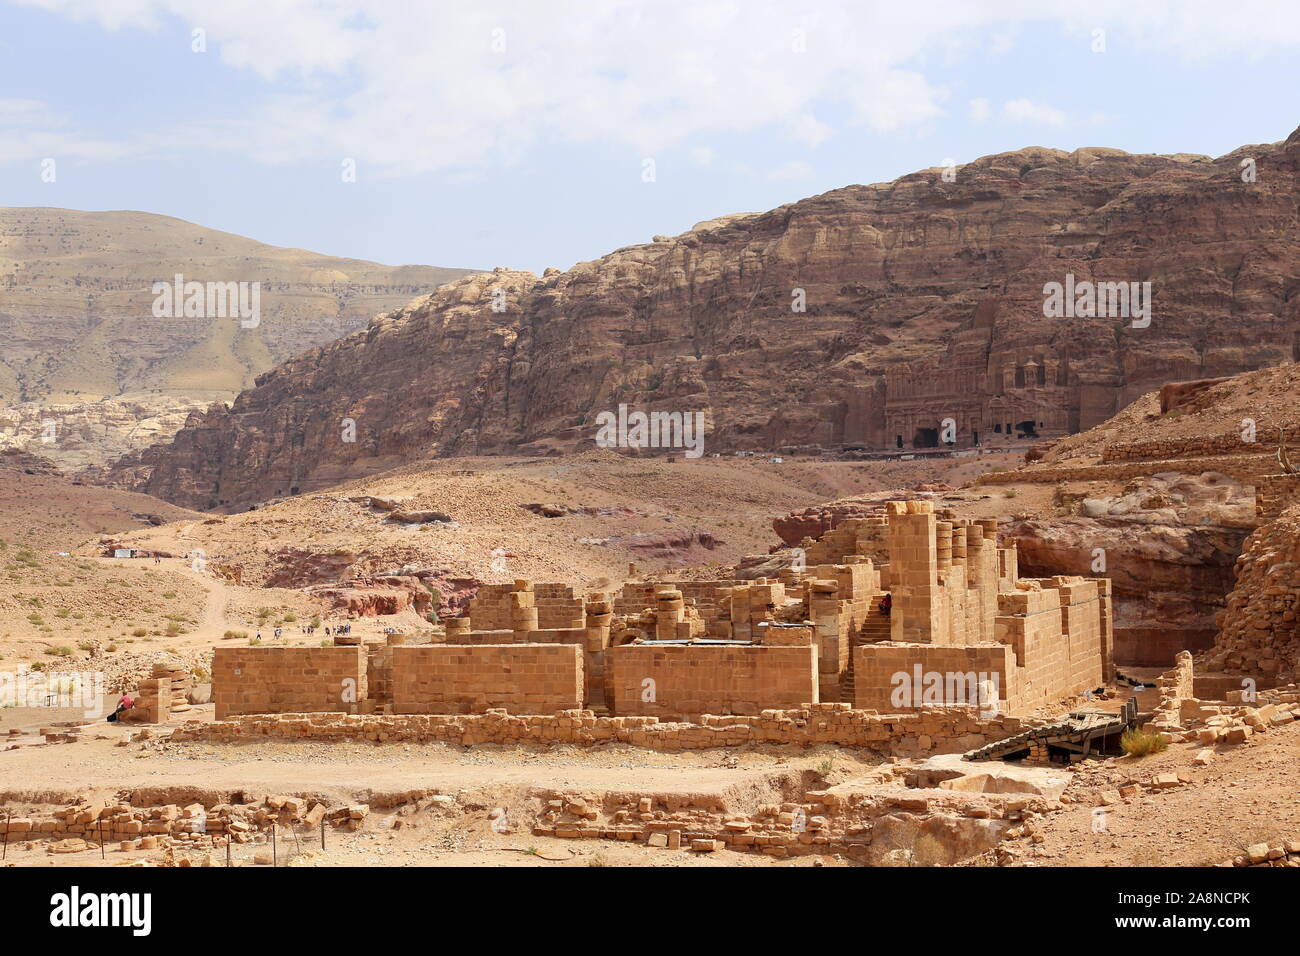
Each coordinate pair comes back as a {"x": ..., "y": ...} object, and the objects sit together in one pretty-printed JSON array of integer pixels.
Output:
[{"x": 908, "y": 611}]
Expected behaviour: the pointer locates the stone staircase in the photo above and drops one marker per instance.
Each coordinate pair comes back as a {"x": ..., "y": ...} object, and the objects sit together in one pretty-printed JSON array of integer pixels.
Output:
[{"x": 874, "y": 630}]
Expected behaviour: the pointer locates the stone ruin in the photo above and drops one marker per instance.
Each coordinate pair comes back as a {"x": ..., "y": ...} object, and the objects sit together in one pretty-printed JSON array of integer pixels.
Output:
[{"x": 964, "y": 631}]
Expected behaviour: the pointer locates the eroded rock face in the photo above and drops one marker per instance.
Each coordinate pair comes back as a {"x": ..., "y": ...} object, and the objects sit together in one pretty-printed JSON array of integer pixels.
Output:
[
  {"x": 376, "y": 596},
  {"x": 1168, "y": 545},
  {"x": 906, "y": 839},
  {"x": 85, "y": 436},
  {"x": 924, "y": 302},
  {"x": 1179, "y": 394},
  {"x": 1260, "y": 633}
]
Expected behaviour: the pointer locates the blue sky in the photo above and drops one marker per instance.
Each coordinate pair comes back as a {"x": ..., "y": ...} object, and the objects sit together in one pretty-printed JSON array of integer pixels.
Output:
[{"x": 512, "y": 133}]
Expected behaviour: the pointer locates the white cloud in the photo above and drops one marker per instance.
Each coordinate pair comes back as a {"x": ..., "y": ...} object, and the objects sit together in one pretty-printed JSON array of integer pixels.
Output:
[
  {"x": 796, "y": 169},
  {"x": 1027, "y": 111},
  {"x": 408, "y": 87},
  {"x": 30, "y": 131},
  {"x": 980, "y": 110},
  {"x": 808, "y": 129}
]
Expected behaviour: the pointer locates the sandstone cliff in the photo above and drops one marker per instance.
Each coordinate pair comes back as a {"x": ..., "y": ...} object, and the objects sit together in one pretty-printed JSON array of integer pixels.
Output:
[{"x": 924, "y": 301}]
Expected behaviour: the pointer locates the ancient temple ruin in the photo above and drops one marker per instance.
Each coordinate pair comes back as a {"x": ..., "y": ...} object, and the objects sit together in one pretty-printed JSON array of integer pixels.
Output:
[{"x": 904, "y": 611}]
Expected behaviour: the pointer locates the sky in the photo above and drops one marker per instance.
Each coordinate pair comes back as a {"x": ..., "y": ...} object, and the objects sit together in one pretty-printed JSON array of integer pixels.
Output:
[{"x": 544, "y": 133}]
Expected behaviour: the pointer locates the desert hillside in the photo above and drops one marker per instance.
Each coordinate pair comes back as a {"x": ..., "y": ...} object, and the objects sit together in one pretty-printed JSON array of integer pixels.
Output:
[
  {"x": 577, "y": 518},
  {"x": 924, "y": 300},
  {"x": 83, "y": 348}
]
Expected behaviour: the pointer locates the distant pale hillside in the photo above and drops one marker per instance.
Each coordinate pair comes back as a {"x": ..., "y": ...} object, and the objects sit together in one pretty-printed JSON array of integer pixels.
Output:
[
  {"x": 76, "y": 296},
  {"x": 88, "y": 372}
]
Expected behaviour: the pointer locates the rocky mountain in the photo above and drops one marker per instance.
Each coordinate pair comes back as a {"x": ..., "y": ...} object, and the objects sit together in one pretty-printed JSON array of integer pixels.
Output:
[
  {"x": 863, "y": 317},
  {"x": 83, "y": 436},
  {"x": 79, "y": 325}
]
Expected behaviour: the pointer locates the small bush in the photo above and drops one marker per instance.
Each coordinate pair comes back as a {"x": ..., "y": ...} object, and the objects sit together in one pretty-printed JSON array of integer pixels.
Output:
[
  {"x": 139, "y": 632},
  {"x": 61, "y": 651},
  {"x": 1142, "y": 743}
]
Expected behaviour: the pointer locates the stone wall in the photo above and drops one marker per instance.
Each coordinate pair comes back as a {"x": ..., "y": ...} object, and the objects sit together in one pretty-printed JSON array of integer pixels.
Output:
[
  {"x": 893, "y": 677},
  {"x": 710, "y": 679},
  {"x": 1247, "y": 468},
  {"x": 459, "y": 679},
  {"x": 1259, "y": 632},
  {"x": 277, "y": 680},
  {"x": 1052, "y": 662},
  {"x": 950, "y": 730},
  {"x": 1273, "y": 493},
  {"x": 953, "y": 587},
  {"x": 1228, "y": 443}
]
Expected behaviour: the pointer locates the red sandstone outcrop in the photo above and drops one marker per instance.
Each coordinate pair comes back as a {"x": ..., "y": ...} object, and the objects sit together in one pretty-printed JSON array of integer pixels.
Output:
[
  {"x": 376, "y": 596},
  {"x": 815, "y": 522},
  {"x": 1177, "y": 394},
  {"x": 1168, "y": 546},
  {"x": 924, "y": 301}
]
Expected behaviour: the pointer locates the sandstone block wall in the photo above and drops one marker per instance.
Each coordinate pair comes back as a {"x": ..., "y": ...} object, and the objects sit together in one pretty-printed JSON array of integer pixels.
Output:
[
  {"x": 460, "y": 679},
  {"x": 1049, "y": 643},
  {"x": 896, "y": 677},
  {"x": 1227, "y": 443},
  {"x": 277, "y": 680},
  {"x": 710, "y": 679},
  {"x": 1273, "y": 493},
  {"x": 1244, "y": 467},
  {"x": 1058, "y": 645},
  {"x": 913, "y": 565},
  {"x": 951, "y": 730}
]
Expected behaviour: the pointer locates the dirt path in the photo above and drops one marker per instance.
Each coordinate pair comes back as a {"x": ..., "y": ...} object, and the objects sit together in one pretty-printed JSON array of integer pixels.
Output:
[{"x": 213, "y": 623}]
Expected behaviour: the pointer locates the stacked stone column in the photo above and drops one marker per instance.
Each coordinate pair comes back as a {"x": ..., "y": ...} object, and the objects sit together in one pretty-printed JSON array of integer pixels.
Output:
[
  {"x": 913, "y": 558},
  {"x": 670, "y": 613},
  {"x": 523, "y": 611}
]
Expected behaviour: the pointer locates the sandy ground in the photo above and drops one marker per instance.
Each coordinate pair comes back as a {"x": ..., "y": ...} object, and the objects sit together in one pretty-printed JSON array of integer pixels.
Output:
[
  {"x": 1246, "y": 795},
  {"x": 650, "y": 512},
  {"x": 484, "y": 777}
]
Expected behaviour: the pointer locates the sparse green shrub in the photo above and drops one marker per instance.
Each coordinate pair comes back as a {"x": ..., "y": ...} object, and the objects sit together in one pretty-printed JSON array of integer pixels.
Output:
[{"x": 1142, "y": 743}]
